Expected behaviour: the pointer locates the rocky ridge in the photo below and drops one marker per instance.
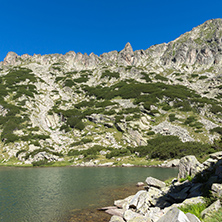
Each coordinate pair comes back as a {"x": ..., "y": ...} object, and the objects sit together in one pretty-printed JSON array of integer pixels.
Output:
[{"x": 52, "y": 105}]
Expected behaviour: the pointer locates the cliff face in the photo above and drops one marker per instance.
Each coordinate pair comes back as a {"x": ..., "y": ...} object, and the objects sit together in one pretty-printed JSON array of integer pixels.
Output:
[{"x": 52, "y": 104}]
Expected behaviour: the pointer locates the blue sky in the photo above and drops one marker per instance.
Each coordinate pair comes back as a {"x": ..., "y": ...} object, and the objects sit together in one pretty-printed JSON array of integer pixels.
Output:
[{"x": 45, "y": 27}]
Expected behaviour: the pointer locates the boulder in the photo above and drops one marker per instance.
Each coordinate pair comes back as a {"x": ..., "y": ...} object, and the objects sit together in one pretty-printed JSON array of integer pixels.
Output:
[
  {"x": 154, "y": 213},
  {"x": 174, "y": 215},
  {"x": 115, "y": 211},
  {"x": 140, "y": 184},
  {"x": 192, "y": 217},
  {"x": 138, "y": 199},
  {"x": 153, "y": 182},
  {"x": 217, "y": 155},
  {"x": 131, "y": 216},
  {"x": 189, "y": 166},
  {"x": 209, "y": 162},
  {"x": 116, "y": 219},
  {"x": 123, "y": 203},
  {"x": 180, "y": 196},
  {"x": 212, "y": 208},
  {"x": 195, "y": 190},
  {"x": 217, "y": 189},
  {"x": 193, "y": 200},
  {"x": 173, "y": 163}
]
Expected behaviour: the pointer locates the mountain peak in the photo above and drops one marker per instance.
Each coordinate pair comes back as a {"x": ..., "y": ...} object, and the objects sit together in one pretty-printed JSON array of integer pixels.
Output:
[
  {"x": 128, "y": 47},
  {"x": 10, "y": 58}
]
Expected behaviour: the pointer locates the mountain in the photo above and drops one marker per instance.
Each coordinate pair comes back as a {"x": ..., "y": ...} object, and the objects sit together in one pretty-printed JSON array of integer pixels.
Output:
[{"x": 54, "y": 106}]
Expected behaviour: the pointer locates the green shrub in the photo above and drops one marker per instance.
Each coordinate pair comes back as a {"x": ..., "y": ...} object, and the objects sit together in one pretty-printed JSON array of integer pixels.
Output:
[
  {"x": 73, "y": 152},
  {"x": 159, "y": 77},
  {"x": 118, "y": 153},
  {"x": 19, "y": 152},
  {"x": 150, "y": 133},
  {"x": 195, "y": 209},
  {"x": 194, "y": 75},
  {"x": 216, "y": 130},
  {"x": 69, "y": 83},
  {"x": 110, "y": 75},
  {"x": 216, "y": 109},
  {"x": 81, "y": 79},
  {"x": 203, "y": 77},
  {"x": 168, "y": 147},
  {"x": 146, "y": 77},
  {"x": 172, "y": 117},
  {"x": 166, "y": 107}
]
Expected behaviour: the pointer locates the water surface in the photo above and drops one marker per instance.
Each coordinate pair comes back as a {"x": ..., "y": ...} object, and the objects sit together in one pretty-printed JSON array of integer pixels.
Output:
[{"x": 53, "y": 194}]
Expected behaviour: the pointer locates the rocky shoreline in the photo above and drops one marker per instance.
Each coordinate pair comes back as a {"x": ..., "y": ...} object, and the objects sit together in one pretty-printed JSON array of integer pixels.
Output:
[{"x": 158, "y": 202}]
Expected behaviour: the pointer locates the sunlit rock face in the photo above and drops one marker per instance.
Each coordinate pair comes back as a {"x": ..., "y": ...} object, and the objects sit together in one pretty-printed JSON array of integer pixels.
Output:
[{"x": 56, "y": 103}]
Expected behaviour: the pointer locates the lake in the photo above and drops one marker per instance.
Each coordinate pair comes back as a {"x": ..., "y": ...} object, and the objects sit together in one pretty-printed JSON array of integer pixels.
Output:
[{"x": 62, "y": 193}]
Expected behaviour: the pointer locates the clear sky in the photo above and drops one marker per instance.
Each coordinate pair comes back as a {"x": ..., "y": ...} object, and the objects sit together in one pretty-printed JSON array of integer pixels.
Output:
[{"x": 52, "y": 26}]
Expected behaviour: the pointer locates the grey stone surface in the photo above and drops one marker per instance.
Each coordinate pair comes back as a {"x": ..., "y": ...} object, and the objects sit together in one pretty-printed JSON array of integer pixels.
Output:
[
  {"x": 131, "y": 216},
  {"x": 153, "y": 182},
  {"x": 217, "y": 189},
  {"x": 116, "y": 219},
  {"x": 192, "y": 217},
  {"x": 212, "y": 208},
  {"x": 174, "y": 215},
  {"x": 189, "y": 166}
]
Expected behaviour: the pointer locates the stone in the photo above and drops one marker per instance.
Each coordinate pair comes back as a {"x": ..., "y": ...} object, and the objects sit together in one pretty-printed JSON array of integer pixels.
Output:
[
  {"x": 116, "y": 219},
  {"x": 124, "y": 202},
  {"x": 153, "y": 182},
  {"x": 173, "y": 163},
  {"x": 127, "y": 165},
  {"x": 216, "y": 189},
  {"x": 154, "y": 213},
  {"x": 180, "y": 196},
  {"x": 131, "y": 216},
  {"x": 192, "y": 217},
  {"x": 137, "y": 199},
  {"x": 217, "y": 155},
  {"x": 195, "y": 190},
  {"x": 189, "y": 166},
  {"x": 212, "y": 208},
  {"x": 193, "y": 200},
  {"x": 140, "y": 184},
  {"x": 115, "y": 211},
  {"x": 209, "y": 162},
  {"x": 174, "y": 215}
]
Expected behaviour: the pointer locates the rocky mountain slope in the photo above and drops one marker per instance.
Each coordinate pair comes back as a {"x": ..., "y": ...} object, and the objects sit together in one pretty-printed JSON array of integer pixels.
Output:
[{"x": 51, "y": 106}]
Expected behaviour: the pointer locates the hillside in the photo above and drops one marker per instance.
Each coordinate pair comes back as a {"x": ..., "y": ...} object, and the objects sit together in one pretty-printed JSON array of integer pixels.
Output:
[{"x": 54, "y": 106}]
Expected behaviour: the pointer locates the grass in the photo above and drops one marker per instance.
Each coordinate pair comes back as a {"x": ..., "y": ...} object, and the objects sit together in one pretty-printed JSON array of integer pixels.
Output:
[
  {"x": 195, "y": 209},
  {"x": 215, "y": 217}
]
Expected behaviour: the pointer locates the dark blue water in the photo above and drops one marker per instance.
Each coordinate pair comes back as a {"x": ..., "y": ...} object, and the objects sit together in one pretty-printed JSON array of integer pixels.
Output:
[{"x": 51, "y": 194}]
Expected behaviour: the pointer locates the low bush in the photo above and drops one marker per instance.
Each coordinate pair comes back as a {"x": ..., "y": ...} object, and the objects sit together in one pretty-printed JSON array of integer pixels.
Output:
[
  {"x": 110, "y": 75},
  {"x": 216, "y": 130},
  {"x": 169, "y": 147},
  {"x": 118, "y": 153},
  {"x": 172, "y": 117},
  {"x": 43, "y": 162}
]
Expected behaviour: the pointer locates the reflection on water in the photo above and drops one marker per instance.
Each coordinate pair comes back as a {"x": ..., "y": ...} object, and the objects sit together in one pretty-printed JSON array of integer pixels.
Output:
[{"x": 52, "y": 194}]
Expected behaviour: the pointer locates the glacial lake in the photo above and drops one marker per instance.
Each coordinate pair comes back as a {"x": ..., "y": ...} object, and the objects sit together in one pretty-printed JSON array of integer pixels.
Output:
[{"x": 58, "y": 193}]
